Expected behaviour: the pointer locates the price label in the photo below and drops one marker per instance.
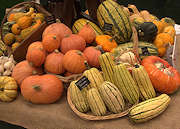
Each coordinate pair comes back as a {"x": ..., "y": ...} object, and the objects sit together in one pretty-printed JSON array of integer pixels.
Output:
[{"x": 82, "y": 83}]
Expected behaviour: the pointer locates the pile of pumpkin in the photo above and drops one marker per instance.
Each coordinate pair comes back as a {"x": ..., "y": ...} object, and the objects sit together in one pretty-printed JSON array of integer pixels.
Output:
[
  {"x": 89, "y": 49},
  {"x": 19, "y": 25}
]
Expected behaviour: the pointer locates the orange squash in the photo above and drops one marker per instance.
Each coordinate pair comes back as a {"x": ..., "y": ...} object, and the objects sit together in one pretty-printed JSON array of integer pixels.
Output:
[
  {"x": 24, "y": 22},
  {"x": 16, "y": 29},
  {"x": 43, "y": 89},
  {"x": 23, "y": 70}
]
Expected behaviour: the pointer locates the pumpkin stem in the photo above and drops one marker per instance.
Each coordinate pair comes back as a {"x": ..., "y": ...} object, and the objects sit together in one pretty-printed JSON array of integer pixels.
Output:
[
  {"x": 87, "y": 65},
  {"x": 99, "y": 47},
  {"x": 67, "y": 35},
  {"x": 56, "y": 51},
  {"x": 54, "y": 37},
  {"x": 34, "y": 72},
  {"x": 79, "y": 52},
  {"x": 36, "y": 87}
]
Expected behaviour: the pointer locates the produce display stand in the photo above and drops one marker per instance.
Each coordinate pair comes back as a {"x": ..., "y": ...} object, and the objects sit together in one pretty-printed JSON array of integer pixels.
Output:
[{"x": 60, "y": 116}]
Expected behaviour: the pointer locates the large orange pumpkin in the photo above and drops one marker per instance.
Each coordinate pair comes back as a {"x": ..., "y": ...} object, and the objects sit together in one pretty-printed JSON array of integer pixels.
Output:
[
  {"x": 92, "y": 54},
  {"x": 36, "y": 54},
  {"x": 51, "y": 42},
  {"x": 72, "y": 42},
  {"x": 164, "y": 77},
  {"x": 53, "y": 63},
  {"x": 23, "y": 70},
  {"x": 74, "y": 61},
  {"x": 60, "y": 29},
  {"x": 43, "y": 89}
]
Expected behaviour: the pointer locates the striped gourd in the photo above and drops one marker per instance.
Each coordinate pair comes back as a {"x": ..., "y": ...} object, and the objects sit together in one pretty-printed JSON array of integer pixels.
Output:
[
  {"x": 96, "y": 103},
  {"x": 110, "y": 12},
  {"x": 106, "y": 64},
  {"x": 95, "y": 78},
  {"x": 77, "y": 26},
  {"x": 144, "y": 49},
  {"x": 126, "y": 84},
  {"x": 79, "y": 98},
  {"x": 112, "y": 97},
  {"x": 3, "y": 48},
  {"x": 143, "y": 81},
  {"x": 149, "y": 109}
]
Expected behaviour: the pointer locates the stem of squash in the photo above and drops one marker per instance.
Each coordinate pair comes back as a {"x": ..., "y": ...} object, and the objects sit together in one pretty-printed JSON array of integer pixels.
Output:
[
  {"x": 87, "y": 65},
  {"x": 36, "y": 87},
  {"x": 34, "y": 72},
  {"x": 54, "y": 37},
  {"x": 79, "y": 52},
  {"x": 56, "y": 51}
]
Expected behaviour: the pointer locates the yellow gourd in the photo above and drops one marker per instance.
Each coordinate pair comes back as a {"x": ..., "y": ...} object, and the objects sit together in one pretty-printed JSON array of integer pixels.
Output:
[
  {"x": 39, "y": 16},
  {"x": 24, "y": 22},
  {"x": 15, "y": 45},
  {"x": 9, "y": 38}
]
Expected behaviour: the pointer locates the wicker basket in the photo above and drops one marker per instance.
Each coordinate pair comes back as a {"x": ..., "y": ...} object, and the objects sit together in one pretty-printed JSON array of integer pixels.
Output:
[{"x": 20, "y": 52}]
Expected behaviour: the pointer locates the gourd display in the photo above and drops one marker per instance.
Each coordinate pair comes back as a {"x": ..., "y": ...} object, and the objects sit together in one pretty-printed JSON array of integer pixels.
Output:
[
  {"x": 164, "y": 77},
  {"x": 36, "y": 54},
  {"x": 149, "y": 109},
  {"x": 92, "y": 54},
  {"x": 72, "y": 42},
  {"x": 8, "y": 89},
  {"x": 53, "y": 63},
  {"x": 60, "y": 29},
  {"x": 111, "y": 14},
  {"x": 107, "y": 64},
  {"x": 96, "y": 103},
  {"x": 95, "y": 78},
  {"x": 78, "y": 25},
  {"x": 87, "y": 33},
  {"x": 107, "y": 42},
  {"x": 79, "y": 97},
  {"x": 74, "y": 61},
  {"x": 125, "y": 83},
  {"x": 43, "y": 89},
  {"x": 143, "y": 81},
  {"x": 23, "y": 70},
  {"x": 144, "y": 49},
  {"x": 112, "y": 97},
  {"x": 51, "y": 42}
]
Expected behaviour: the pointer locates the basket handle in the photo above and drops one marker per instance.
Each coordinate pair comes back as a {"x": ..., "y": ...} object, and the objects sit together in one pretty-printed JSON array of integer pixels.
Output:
[{"x": 15, "y": 6}]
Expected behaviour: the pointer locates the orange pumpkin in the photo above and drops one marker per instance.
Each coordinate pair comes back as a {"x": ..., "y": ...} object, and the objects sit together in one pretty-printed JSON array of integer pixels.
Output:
[
  {"x": 92, "y": 54},
  {"x": 23, "y": 70},
  {"x": 43, "y": 89},
  {"x": 36, "y": 54},
  {"x": 72, "y": 42},
  {"x": 53, "y": 63},
  {"x": 87, "y": 33},
  {"x": 164, "y": 77},
  {"x": 15, "y": 29},
  {"x": 60, "y": 29},
  {"x": 11, "y": 17},
  {"x": 51, "y": 42},
  {"x": 74, "y": 61},
  {"x": 107, "y": 42}
]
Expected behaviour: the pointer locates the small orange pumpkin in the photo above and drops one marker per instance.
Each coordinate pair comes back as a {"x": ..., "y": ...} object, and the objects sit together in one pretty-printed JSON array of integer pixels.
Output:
[
  {"x": 53, "y": 63},
  {"x": 72, "y": 42},
  {"x": 51, "y": 42},
  {"x": 15, "y": 29},
  {"x": 24, "y": 22},
  {"x": 11, "y": 17},
  {"x": 92, "y": 54},
  {"x": 87, "y": 33},
  {"x": 170, "y": 30},
  {"x": 107, "y": 42},
  {"x": 23, "y": 70},
  {"x": 74, "y": 61},
  {"x": 43, "y": 89},
  {"x": 36, "y": 54}
]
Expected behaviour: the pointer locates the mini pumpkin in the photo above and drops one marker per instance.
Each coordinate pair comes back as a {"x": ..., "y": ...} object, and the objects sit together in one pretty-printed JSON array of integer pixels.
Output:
[
  {"x": 74, "y": 61},
  {"x": 8, "y": 89},
  {"x": 51, "y": 42},
  {"x": 92, "y": 54},
  {"x": 107, "y": 42},
  {"x": 36, "y": 55},
  {"x": 43, "y": 89},
  {"x": 24, "y": 22},
  {"x": 53, "y": 63},
  {"x": 9, "y": 38},
  {"x": 23, "y": 70},
  {"x": 15, "y": 29},
  {"x": 72, "y": 42},
  {"x": 170, "y": 30},
  {"x": 87, "y": 33}
]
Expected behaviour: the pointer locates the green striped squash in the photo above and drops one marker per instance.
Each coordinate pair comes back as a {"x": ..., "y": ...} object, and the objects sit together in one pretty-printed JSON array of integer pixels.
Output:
[
  {"x": 77, "y": 26},
  {"x": 149, "y": 109},
  {"x": 111, "y": 14},
  {"x": 144, "y": 49}
]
